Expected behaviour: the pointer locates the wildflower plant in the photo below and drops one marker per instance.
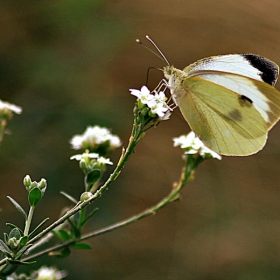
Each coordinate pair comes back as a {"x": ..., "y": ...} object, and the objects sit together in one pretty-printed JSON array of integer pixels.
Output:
[{"x": 22, "y": 247}]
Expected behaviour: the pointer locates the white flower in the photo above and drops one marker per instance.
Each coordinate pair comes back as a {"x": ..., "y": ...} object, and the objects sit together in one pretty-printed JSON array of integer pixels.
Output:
[
  {"x": 84, "y": 155},
  {"x": 156, "y": 102},
  {"x": 50, "y": 273},
  {"x": 159, "y": 109},
  {"x": 6, "y": 106},
  {"x": 95, "y": 135},
  {"x": 103, "y": 160},
  {"x": 160, "y": 97},
  {"x": 143, "y": 95},
  {"x": 194, "y": 145}
]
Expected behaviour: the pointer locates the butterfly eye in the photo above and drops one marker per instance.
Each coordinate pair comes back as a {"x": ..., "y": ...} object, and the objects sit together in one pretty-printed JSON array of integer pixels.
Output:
[{"x": 168, "y": 70}]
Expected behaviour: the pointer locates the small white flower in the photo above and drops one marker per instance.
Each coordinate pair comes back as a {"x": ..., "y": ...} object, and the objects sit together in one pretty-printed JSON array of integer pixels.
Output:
[
  {"x": 50, "y": 273},
  {"x": 156, "y": 101},
  {"x": 159, "y": 109},
  {"x": 160, "y": 97},
  {"x": 103, "y": 160},
  {"x": 10, "y": 107},
  {"x": 194, "y": 145},
  {"x": 84, "y": 155},
  {"x": 95, "y": 135},
  {"x": 143, "y": 95},
  {"x": 115, "y": 142}
]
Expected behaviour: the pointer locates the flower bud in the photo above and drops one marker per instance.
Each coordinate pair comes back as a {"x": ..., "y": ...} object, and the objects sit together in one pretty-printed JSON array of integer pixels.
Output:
[
  {"x": 27, "y": 181},
  {"x": 85, "y": 196},
  {"x": 13, "y": 243}
]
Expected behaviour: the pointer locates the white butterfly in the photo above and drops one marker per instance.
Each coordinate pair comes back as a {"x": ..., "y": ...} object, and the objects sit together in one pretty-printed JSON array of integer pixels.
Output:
[{"x": 229, "y": 101}]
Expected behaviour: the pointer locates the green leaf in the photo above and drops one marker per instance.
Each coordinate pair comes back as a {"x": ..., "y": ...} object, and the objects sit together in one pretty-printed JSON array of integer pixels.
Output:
[
  {"x": 71, "y": 198},
  {"x": 14, "y": 262},
  {"x": 15, "y": 233},
  {"x": 93, "y": 176},
  {"x": 34, "y": 197},
  {"x": 6, "y": 237},
  {"x": 11, "y": 225},
  {"x": 56, "y": 234},
  {"x": 74, "y": 229},
  {"x": 76, "y": 217},
  {"x": 4, "y": 248},
  {"x": 89, "y": 217},
  {"x": 23, "y": 250},
  {"x": 18, "y": 207},
  {"x": 81, "y": 246},
  {"x": 44, "y": 221},
  {"x": 64, "y": 235},
  {"x": 23, "y": 240}
]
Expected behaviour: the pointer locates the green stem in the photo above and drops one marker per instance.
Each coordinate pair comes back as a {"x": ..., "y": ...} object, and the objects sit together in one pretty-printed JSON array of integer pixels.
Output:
[
  {"x": 187, "y": 175},
  {"x": 28, "y": 221},
  {"x": 80, "y": 205}
]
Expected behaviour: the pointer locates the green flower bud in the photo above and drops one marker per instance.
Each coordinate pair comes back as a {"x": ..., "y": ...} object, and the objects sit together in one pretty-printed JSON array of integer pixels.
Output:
[
  {"x": 85, "y": 196},
  {"x": 13, "y": 243},
  {"x": 27, "y": 181}
]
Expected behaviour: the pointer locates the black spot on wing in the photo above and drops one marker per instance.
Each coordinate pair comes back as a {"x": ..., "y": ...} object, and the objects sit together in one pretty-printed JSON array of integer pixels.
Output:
[
  {"x": 268, "y": 70},
  {"x": 245, "y": 101}
]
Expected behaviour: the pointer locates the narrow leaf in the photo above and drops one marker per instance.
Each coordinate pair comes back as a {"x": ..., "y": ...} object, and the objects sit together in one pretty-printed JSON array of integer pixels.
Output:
[
  {"x": 71, "y": 198},
  {"x": 13, "y": 262},
  {"x": 36, "y": 228},
  {"x": 74, "y": 229},
  {"x": 57, "y": 234},
  {"x": 89, "y": 217},
  {"x": 64, "y": 234},
  {"x": 6, "y": 237},
  {"x": 18, "y": 207},
  {"x": 5, "y": 249},
  {"x": 81, "y": 246},
  {"x": 34, "y": 197},
  {"x": 23, "y": 250}
]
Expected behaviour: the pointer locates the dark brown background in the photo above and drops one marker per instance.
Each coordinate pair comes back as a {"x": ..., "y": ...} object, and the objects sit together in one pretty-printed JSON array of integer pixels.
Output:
[{"x": 70, "y": 64}]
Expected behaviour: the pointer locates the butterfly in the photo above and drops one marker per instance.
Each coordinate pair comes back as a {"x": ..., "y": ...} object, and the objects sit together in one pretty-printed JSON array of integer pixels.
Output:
[{"x": 229, "y": 101}]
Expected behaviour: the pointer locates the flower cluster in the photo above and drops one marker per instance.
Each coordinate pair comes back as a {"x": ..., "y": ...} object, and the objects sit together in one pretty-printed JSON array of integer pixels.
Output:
[
  {"x": 191, "y": 144},
  {"x": 50, "y": 273},
  {"x": 155, "y": 102},
  {"x": 7, "y": 109},
  {"x": 87, "y": 156},
  {"x": 96, "y": 139}
]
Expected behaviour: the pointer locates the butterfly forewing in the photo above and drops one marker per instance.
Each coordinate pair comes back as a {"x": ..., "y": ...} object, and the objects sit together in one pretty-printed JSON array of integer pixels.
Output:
[
  {"x": 247, "y": 65},
  {"x": 265, "y": 98},
  {"x": 225, "y": 121}
]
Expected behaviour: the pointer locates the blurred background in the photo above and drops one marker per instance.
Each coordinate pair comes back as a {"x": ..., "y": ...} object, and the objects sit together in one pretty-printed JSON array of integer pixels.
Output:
[{"x": 70, "y": 64}]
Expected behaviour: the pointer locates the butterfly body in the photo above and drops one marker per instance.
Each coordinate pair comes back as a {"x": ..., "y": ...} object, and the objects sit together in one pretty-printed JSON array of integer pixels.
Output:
[{"x": 229, "y": 101}]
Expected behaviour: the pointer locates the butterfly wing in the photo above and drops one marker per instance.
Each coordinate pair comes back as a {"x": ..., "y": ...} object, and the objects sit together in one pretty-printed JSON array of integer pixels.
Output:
[
  {"x": 227, "y": 122},
  {"x": 265, "y": 98},
  {"x": 248, "y": 65}
]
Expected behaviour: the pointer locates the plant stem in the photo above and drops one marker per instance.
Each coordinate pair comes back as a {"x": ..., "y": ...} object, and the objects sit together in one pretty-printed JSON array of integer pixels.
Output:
[
  {"x": 187, "y": 175},
  {"x": 28, "y": 221},
  {"x": 80, "y": 205}
]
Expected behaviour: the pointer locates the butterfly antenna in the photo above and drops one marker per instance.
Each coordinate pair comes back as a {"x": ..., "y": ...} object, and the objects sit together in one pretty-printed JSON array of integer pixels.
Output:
[{"x": 160, "y": 55}]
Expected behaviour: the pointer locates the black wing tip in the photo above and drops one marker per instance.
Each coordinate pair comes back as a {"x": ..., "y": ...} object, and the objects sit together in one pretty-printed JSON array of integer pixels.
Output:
[{"x": 269, "y": 70}]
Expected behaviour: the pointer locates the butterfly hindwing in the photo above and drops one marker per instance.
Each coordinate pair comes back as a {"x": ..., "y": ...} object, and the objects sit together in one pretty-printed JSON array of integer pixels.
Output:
[{"x": 225, "y": 121}]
